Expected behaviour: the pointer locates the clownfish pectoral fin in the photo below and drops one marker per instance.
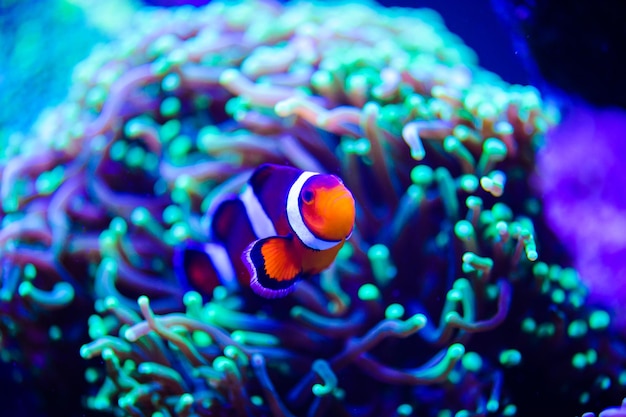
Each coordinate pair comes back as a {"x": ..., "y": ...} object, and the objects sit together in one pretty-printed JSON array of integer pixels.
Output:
[
  {"x": 202, "y": 267},
  {"x": 274, "y": 268}
]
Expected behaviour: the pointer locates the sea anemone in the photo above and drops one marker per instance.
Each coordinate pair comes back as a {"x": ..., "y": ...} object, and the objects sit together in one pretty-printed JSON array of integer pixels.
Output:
[{"x": 451, "y": 298}]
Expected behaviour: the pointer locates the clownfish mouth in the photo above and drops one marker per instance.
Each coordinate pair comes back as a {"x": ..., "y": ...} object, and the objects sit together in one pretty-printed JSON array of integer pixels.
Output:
[{"x": 342, "y": 210}]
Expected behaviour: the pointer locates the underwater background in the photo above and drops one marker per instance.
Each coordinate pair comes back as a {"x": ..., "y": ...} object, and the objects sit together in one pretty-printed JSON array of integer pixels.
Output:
[{"x": 484, "y": 275}]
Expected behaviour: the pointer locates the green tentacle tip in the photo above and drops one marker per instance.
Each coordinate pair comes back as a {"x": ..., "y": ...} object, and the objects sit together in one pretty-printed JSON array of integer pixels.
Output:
[
  {"x": 463, "y": 229},
  {"x": 201, "y": 339},
  {"x": 346, "y": 251},
  {"x": 451, "y": 316},
  {"x": 162, "y": 45},
  {"x": 180, "y": 231},
  {"x": 134, "y": 127},
  {"x": 510, "y": 358},
  {"x": 257, "y": 339},
  {"x": 61, "y": 294},
  {"x": 422, "y": 175},
  {"x": 323, "y": 369},
  {"x": 170, "y": 107},
  {"x": 361, "y": 146},
  {"x": 546, "y": 330},
  {"x": 184, "y": 402},
  {"x": 584, "y": 398},
  {"x": 469, "y": 183},
  {"x": 540, "y": 270},
  {"x": 378, "y": 252},
  {"x": 140, "y": 216},
  {"x": 558, "y": 296},
  {"x": 85, "y": 352},
  {"x": 233, "y": 352},
  {"x": 126, "y": 401},
  {"x": 404, "y": 410},
  {"x": 477, "y": 262},
  {"x": 459, "y": 288},
  {"x": 592, "y": 356},
  {"x": 568, "y": 279},
  {"x": 151, "y": 368},
  {"x": 171, "y": 82},
  {"x": 509, "y": 410},
  {"x": 528, "y": 325},
  {"x": 118, "y": 150},
  {"x": 604, "y": 382},
  {"x": 621, "y": 378},
  {"x": 108, "y": 354},
  {"x": 169, "y": 130},
  {"x": 100, "y": 403},
  {"x": 504, "y": 128},
  {"x": 108, "y": 241},
  {"x": 91, "y": 375},
  {"x": 599, "y": 320},
  {"x": 492, "y": 405},
  {"x": 368, "y": 292},
  {"x": 501, "y": 212},
  {"x": 30, "y": 271},
  {"x": 135, "y": 157},
  {"x": 382, "y": 266},
  {"x": 180, "y": 146},
  {"x": 49, "y": 181},
  {"x": 472, "y": 361},
  {"x": 143, "y": 301},
  {"x": 220, "y": 293},
  {"x": 55, "y": 333},
  {"x": 495, "y": 148},
  {"x": 456, "y": 351},
  {"x": 416, "y": 321},
  {"x": 192, "y": 299},
  {"x": 579, "y": 360},
  {"x": 228, "y": 76},
  {"x": 109, "y": 265},
  {"x": 118, "y": 225},
  {"x": 227, "y": 365},
  {"x": 286, "y": 107},
  {"x": 473, "y": 202},
  {"x": 451, "y": 144},
  {"x": 394, "y": 311},
  {"x": 321, "y": 79}
]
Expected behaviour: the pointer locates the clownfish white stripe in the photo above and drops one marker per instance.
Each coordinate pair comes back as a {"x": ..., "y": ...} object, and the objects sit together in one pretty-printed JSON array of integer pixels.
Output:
[
  {"x": 294, "y": 216},
  {"x": 261, "y": 223},
  {"x": 222, "y": 265}
]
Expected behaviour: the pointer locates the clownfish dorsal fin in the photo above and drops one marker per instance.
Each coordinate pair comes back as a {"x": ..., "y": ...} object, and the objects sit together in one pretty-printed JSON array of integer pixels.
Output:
[
  {"x": 274, "y": 266},
  {"x": 260, "y": 176}
]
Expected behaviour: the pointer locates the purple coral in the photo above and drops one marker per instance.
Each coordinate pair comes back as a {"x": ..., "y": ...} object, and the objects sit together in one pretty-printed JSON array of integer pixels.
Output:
[{"x": 583, "y": 178}]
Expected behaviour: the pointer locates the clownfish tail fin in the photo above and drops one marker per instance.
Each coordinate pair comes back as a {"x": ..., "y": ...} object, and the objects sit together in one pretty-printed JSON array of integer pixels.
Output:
[
  {"x": 202, "y": 267},
  {"x": 273, "y": 265}
]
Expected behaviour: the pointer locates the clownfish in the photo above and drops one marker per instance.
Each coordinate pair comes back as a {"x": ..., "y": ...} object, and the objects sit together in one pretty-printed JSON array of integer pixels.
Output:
[{"x": 285, "y": 225}]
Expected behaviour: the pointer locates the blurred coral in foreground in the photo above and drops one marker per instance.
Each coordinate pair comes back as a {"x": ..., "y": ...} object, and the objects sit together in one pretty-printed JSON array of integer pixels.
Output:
[{"x": 452, "y": 298}]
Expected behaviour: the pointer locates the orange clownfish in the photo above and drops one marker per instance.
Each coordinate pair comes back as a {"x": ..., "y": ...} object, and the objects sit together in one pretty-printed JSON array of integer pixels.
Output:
[{"x": 286, "y": 224}]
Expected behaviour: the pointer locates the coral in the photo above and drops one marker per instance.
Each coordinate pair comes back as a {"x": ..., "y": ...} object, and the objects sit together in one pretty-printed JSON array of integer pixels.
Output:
[
  {"x": 40, "y": 43},
  {"x": 451, "y": 298},
  {"x": 582, "y": 176}
]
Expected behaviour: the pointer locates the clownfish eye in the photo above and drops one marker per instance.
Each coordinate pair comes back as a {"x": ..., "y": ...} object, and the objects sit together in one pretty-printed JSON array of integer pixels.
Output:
[{"x": 307, "y": 196}]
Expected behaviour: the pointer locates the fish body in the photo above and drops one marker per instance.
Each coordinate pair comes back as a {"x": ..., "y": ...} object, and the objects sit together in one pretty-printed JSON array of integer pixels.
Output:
[{"x": 285, "y": 225}]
